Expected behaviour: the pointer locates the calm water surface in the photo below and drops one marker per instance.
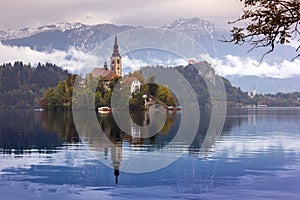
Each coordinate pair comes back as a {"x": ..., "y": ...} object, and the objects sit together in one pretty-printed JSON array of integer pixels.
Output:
[{"x": 256, "y": 156}]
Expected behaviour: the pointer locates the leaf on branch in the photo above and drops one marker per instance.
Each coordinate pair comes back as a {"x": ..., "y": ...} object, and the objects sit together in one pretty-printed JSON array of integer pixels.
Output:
[{"x": 271, "y": 22}]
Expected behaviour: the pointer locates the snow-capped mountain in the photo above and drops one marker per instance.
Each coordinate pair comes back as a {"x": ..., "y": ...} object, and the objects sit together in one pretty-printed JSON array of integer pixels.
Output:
[
  {"x": 194, "y": 25},
  {"x": 204, "y": 32},
  {"x": 29, "y": 31},
  {"x": 210, "y": 37},
  {"x": 62, "y": 36}
]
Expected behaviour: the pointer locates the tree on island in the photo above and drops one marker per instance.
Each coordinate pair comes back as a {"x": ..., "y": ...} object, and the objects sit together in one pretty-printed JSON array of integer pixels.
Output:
[{"x": 272, "y": 22}]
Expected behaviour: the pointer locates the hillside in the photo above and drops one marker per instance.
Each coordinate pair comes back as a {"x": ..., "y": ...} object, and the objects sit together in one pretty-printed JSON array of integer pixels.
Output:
[
  {"x": 60, "y": 97},
  {"x": 234, "y": 95},
  {"x": 266, "y": 85},
  {"x": 22, "y": 85}
]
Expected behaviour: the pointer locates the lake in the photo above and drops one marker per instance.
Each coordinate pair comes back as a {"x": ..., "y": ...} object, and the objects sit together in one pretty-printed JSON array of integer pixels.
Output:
[{"x": 256, "y": 156}]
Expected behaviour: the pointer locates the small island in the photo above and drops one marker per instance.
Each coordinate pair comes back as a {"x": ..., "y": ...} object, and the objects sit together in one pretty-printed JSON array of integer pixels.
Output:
[{"x": 48, "y": 87}]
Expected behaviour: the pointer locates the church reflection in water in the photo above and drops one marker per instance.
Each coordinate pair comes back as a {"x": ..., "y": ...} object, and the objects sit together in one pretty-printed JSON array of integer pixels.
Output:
[
  {"x": 113, "y": 145},
  {"x": 137, "y": 137},
  {"x": 116, "y": 158},
  {"x": 111, "y": 142}
]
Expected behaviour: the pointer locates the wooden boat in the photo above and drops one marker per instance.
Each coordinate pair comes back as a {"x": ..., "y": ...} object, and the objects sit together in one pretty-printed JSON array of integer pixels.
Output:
[
  {"x": 171, "y": 108},
  {"x": 38, "y": 109},
  {"x": 104, "y": 110}
]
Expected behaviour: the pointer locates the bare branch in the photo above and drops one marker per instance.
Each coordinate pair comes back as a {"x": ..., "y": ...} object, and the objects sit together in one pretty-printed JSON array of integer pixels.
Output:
[{"x": 272, "y": 23}]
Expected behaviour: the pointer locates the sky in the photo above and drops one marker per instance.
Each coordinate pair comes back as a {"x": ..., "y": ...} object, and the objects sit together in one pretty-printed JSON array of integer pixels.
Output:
[{"x": 16, "y": 14}]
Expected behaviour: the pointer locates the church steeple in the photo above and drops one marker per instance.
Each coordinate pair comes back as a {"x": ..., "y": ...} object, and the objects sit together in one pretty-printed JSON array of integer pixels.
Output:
[
  {"x": 116, "y": 59},
  {"x": 105, "y": 65},
  {"x": 116, "y": 48},
  {"x": 116, "y": 158}
]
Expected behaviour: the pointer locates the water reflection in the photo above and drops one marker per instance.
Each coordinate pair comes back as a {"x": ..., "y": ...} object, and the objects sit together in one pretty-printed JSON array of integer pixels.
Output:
[
  {"x": 59, "y": 127},
  {"x": 258, "y": 151},
  {"x": 23, "y": 130},
  {"x": 119, "y": 145},
  {"x": 61, "y": 123}
]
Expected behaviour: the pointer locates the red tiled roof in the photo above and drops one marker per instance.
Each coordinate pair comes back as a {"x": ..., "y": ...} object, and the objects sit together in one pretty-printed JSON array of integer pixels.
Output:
[
  {"x": 106, "y": 74},
  {"x": 129, "y": 80},
  {"x": 110, "y": 76},
  {"x": 97, "y": 72}
]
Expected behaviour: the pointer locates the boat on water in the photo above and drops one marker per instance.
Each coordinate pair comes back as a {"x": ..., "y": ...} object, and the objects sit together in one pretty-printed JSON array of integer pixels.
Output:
[
  {"x": 104, "y": 110},
  {"x": 38, "y": 109},
  {"x": 262, "y": 106},
  {"x": 171, "y": 108}
]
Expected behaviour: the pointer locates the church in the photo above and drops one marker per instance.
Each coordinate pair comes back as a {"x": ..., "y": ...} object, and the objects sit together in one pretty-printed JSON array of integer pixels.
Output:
[
  {"x": 116, "y": 70},
  {"x": 115, "y": 66}
]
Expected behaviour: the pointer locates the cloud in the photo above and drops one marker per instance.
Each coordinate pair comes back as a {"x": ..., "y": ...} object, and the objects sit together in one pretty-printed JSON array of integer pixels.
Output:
[
  {"x": 80, "y": 62},
  {"x": 134, "y": 63},
  {"x": 236, "y": 147},
  {"x": 234, "y": 65},
  {"x": 17, "y": 14},
  {"x": 73, "y": 60}
]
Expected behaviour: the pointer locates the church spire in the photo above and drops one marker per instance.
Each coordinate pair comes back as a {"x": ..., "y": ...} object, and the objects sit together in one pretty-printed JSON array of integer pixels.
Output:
[
  {"x": 116, "y": 59},
  {"x": 116, "y": 48},
  {"x": 105, "y": 65}
]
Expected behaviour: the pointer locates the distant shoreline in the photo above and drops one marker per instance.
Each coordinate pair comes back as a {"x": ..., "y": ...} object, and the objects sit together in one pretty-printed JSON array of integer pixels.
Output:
[
  {"x": 271, "y": 108},
  {"x": 139, "y": 110}
]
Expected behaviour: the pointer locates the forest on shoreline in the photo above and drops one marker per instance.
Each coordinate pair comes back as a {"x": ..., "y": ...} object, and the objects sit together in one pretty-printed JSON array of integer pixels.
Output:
[
  {"x": 22, "y": 85},
  {"x": 50, "y": 87}
]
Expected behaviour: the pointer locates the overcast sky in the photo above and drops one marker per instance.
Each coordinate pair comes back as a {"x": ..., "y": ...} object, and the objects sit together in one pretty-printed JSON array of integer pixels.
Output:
[{"x": 16, "y": 14}]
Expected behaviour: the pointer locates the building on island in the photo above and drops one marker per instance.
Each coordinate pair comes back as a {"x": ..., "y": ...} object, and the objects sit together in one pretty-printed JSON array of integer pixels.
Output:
[
  {"x": 253, "y": 94},
  {"x": 104, "y": 73},
  {"x": 115, "y": 71},
  {"x": 135, "y": 84},
  {"x": 115, "y": 66}
]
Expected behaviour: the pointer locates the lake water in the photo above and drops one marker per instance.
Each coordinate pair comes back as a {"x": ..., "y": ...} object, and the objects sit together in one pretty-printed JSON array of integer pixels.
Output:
[{"x": 256, "y": 156}]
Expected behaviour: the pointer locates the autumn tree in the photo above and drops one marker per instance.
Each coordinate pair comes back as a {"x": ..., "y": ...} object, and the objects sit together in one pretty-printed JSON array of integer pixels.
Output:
[{"x": 269, "y": 23}]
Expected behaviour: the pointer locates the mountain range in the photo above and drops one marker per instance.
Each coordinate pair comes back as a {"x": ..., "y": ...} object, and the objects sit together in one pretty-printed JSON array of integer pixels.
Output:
[
  {"x": 84, "y": 37},
  {"x": 61, "y": 36}
]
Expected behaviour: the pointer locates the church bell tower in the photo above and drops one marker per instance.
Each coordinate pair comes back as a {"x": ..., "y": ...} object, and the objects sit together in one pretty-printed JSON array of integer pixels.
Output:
[{"x": 116, "y": 60}]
